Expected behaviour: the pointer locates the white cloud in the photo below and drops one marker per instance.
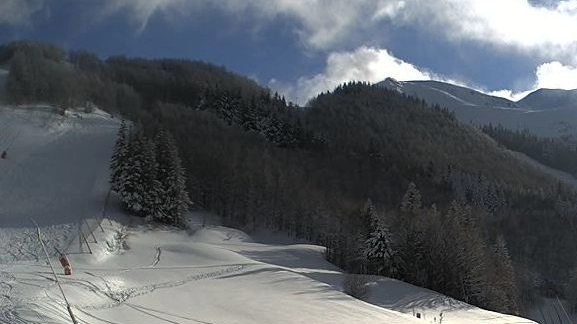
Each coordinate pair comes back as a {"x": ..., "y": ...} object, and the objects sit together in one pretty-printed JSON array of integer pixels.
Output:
[
  {"x": 548, "y": 31},
  {"x": 551, "y": 75},
  {"x": 556, "y": 76},
  {"x": 19, "y": 12},
  {"x": 510, "y": 94}
]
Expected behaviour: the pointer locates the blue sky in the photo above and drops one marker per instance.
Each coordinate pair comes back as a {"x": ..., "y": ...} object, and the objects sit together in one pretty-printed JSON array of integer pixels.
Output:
[{"x": 299, "y": 48}]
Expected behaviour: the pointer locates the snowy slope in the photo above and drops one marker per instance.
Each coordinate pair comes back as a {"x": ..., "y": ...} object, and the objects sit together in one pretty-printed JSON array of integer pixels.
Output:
[
  {"x": 56, "y": 172},
  {"x": 448, "y": 95},
  {"x": 545, "y": 112},
  {"x": 216, "y": 275},
  {"x": 547, "y": 99}
]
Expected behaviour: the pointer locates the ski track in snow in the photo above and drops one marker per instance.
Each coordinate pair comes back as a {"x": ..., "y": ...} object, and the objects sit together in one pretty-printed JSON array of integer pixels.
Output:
[
  {"x": 119, "y": 297},
  {"x": 156, "y": 257},
  {"x": 10, "y": 312},
  {"x": 466, "y": 103}
]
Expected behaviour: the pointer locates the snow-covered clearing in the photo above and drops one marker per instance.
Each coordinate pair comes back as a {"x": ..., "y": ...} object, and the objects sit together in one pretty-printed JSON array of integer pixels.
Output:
[{"x": 56, "y": 173}]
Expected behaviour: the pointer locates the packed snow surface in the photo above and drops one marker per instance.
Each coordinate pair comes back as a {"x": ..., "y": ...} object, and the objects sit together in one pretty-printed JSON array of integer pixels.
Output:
[
  {"x": 55, "y": 172},
  {"x": 213, "y": 275}
]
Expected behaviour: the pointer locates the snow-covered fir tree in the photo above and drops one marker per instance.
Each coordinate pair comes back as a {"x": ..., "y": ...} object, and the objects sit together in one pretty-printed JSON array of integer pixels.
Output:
[
  {"x": 379, "y": 247},
  {"x": 139, "y": 189},
  {"x": 129, "y": 186},
  {"x": 118, "y": 160},
  {"x": 411, "y": 238},
  {"x": 149, "y": 177},
  {"x": 153, "y": 193},
  {"x": 172, "y": 179},
  {"x": 367, "y": 215},
  {"x": 411, "y": 203}
]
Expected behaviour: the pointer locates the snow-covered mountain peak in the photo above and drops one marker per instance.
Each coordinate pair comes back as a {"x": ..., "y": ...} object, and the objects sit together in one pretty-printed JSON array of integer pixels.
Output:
[
  {"x": 392, "y": 84},
  {"x": 547, "y": 99}
]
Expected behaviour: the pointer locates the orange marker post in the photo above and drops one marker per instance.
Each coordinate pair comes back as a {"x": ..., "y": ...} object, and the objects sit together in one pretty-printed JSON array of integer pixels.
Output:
[{"x": 65, "y": 264}]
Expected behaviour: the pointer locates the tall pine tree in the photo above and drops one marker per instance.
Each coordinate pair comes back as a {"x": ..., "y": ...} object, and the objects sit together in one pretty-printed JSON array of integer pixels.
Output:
[
  {"x": 411, "y": 238},
  {"x": 503, "y": 286},
  {"x": 172, "y": 179},
  {"x": 119, "y": 156},
  {"x": 139, "y": 189},
  {"x": 379, "y": 247}
]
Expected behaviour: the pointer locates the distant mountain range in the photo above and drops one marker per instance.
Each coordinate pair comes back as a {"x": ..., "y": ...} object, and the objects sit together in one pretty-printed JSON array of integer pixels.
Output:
[{"x": 545, "y": 112}]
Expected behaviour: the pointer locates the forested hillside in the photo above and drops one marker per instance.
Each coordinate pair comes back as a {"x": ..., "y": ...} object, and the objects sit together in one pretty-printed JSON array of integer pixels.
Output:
[
  {"x": 388, "y": 184},
  {"x": 558, "y": 153}
]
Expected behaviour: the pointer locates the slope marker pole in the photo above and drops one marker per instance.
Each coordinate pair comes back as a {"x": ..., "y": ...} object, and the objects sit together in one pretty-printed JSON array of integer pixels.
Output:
[
  {"x": 90, "y": 230},
  {"x": 80, "y": 237},
  {"x": 54, "y": 273},
  {"x": 85, "y": 241}
]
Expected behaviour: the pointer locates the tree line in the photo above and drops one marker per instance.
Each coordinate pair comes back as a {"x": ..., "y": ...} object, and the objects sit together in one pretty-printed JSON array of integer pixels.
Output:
[{"x": 442, "y": 251}]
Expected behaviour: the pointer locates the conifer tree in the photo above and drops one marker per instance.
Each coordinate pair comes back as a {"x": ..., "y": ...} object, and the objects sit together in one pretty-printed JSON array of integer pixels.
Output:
[
  {"x": 467, "y": 255},
  {"x": 411, "y": 238},
  {"x": 119, "y": 155},
  {"x": 172, "y": 179},
  {"x": 379, "y": 247},
  {"x": 139, "y": 189},
  {"x": 503, "y": 284},
  {"x": 411, "y": 203},
  {"x": 153, "y": 193},
  {"x": 367, "y": 215},
  {"x": 129, "y": 185}
]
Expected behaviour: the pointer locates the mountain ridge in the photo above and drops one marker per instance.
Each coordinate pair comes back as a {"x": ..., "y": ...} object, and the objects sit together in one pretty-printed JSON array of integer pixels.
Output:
[{"x": 545, "y": 112}]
